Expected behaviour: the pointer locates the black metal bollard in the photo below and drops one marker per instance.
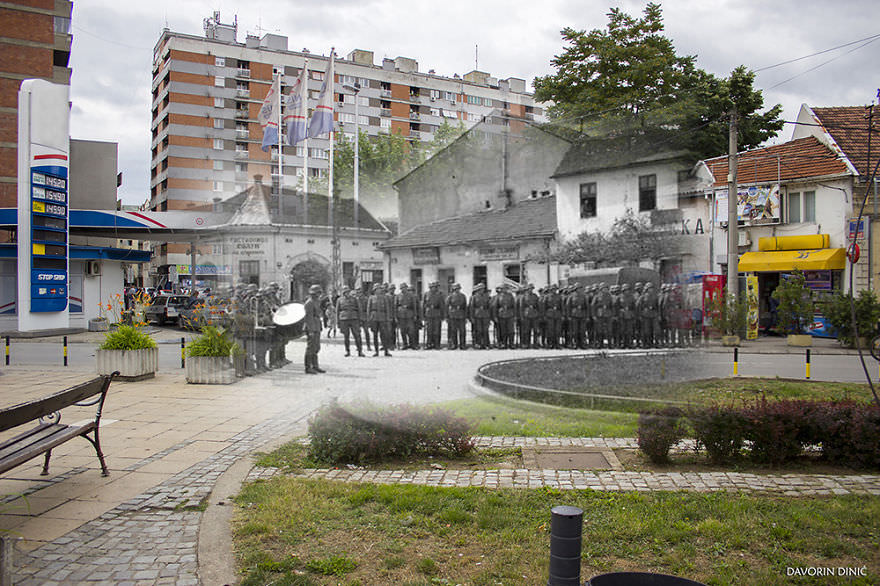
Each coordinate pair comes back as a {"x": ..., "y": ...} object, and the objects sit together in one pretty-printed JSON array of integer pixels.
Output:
[
  {"x": 65, "y": 350},
  {"x": 7, "y": 350},
  {"x": 183, "y": 353},
  {"x": 566, "y": 528}
]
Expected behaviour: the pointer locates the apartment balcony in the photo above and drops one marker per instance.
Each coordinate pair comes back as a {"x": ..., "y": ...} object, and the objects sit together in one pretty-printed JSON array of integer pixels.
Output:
[
  {"x": 243, "y": 93},
  {"x": 241, "y": 134},
  {"x": 242, "y": 114},
  {"x": 240, "y": 154},
  {"x": 415, "y": 135},
  {"x": 385, "y": 112},
  {"x": 241, "y": 176},
  {"x": 415, "y": 116},
  {"x": 385, "y": 93},
  {"x": 245, "y": 73}
]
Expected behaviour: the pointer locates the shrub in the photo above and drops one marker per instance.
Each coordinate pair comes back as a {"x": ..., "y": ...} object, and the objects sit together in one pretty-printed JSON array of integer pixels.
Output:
[
  {"x": 340, "y": 434},
  {"x": 777, "y": 429},
  {"x": 729, "y": 315},
  {"x": 849, "y": 433},
  {"x": 720, "y": 430},
  {"x": 795, "y": 305},
  {"x": 127, "y": 338},
  {"x": 213, "y": 342},
  {"x": 658, "y": 431},
  {"x": 839, "y": 314}
]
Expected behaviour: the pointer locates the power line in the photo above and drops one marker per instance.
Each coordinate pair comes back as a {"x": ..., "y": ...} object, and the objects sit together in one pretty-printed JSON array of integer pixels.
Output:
[
  {"x": 112, "y": 42},
  {"x": 824, "y": 63},
  {"x": 871, "y": 38}
]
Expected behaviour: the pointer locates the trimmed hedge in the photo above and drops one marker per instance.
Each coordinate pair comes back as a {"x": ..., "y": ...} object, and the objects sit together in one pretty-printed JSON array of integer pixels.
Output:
[
  {"x": 659, "y": 430},
  {"x": 776, "y": 432},
  {"x": 341, "y": 434}
]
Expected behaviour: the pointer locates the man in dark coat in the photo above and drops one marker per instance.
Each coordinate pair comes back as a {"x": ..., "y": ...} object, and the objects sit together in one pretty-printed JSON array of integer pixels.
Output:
[
  {"x": 433, "y": 307},
  {"x": 456, "y": 316},
  {"x": 407, "y": 304},
  {"x": 349, "y": 318},
  {"x": 312, "y": 326},
  {"x": 379, "y": 309},
  {"x": 480, "y": 314}
]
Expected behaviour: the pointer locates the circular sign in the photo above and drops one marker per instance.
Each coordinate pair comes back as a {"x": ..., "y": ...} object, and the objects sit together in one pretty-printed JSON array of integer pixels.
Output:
[
  {"x": 854, "y": 253},
  {"x": 200, "y": 221}
]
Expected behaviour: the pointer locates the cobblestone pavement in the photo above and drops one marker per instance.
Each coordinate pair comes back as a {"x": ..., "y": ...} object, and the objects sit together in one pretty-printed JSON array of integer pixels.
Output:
[{"x": 607, "y": 480}]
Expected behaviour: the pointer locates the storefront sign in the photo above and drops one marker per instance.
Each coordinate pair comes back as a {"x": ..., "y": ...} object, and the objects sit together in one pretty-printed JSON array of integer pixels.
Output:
[
  {"x": 371, "y": 265},
  {"x": 248, "y": 246},
  {"x": 426, "y": 256},
  {"x": 205, "y": 270},
  {"x": 754, "y": 206},
  {"x": 499, "y": 252}
]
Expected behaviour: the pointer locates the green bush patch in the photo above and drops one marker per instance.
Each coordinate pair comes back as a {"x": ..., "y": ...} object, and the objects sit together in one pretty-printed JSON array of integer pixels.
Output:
[{"x": 127, "y": 338}]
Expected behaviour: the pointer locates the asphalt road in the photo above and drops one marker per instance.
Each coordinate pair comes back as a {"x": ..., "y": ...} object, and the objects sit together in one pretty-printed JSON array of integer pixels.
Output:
[{"x": 718, "y": 363}]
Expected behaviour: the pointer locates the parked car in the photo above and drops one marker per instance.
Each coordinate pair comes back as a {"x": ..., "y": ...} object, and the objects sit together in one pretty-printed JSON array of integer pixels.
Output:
[{"x": 165, "y": 308}]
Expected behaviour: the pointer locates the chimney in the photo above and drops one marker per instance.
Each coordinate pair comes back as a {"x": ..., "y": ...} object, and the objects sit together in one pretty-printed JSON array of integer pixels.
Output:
[{"x": 258, "y": 179}]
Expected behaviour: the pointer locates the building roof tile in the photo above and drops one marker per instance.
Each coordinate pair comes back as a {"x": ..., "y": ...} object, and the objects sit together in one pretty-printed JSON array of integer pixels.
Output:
[
  {"x": 848, "y": 126},
  {"x": 796, "y": 159},
  {"x": 531, "y": 218}
]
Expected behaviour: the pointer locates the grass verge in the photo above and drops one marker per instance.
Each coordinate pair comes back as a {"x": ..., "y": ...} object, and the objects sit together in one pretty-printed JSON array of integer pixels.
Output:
[{"x": 295, "y": 531}]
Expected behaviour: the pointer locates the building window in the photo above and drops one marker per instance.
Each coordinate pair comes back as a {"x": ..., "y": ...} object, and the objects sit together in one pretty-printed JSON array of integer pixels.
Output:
[
  {"x": 473, "y": 100},
  {"x": 218, "y": 122},
  {"x": 346, "y": 117},
  {"x": 513, "y": 272},
  {"x": 319, "y": 154},
  {"x": 219, "y": 81},
  {"x": 364, "y": 101},
  {"x": 218, "y": 186},
  {"x": 218, "y": 165},
  {"x": 62, "y": 25},
  {"x": 435, "y": 111},
  {"x": 249, "y": 271},
  {"x": 317, "y": 75},
  {"x": 218, "y": 144},
  {"x": 809, "y": 206},
  {"x": 365, "y": 120},
  {"x": 794, "y": 208},
  {"x": 647, "y": 192},
  {"x": 385, "y": 123},
  {"x": 220, "y": 61},
  {"x": 219, "y": 102},
  {"x": 487, "y": 101},
  {"x": 449, "y": 96},
  {"x": 588, "y": 200},
  {"x": 473, "y": 117}
]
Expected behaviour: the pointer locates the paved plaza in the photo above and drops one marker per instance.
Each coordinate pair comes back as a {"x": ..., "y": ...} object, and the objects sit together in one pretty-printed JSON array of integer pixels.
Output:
[{"x": 178, "y": 452}]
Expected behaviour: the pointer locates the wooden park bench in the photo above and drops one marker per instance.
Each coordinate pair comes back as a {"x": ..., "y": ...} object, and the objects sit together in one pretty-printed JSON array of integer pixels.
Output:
[{"x": 49, "y": 431}]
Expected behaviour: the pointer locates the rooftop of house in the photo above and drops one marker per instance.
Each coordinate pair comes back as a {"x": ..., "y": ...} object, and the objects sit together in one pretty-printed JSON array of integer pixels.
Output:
[
  {"x": 848, "y": 126},
  {"x": 528, "y": 219},
  {"x": 797, "y": 159}
]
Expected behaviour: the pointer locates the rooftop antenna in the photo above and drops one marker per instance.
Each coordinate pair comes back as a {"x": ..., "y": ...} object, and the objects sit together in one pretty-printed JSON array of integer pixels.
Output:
[{"x": 476, "y": 57}]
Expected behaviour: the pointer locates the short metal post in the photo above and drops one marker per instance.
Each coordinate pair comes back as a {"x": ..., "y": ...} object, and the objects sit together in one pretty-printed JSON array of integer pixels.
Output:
[
  {"x": 736, "y": 362},
  {"x": 182, "y": 353},
  {"x": 7, "y": 350},
  {"x": 808, "y": 364},
  {"x": 65, "y": 350},
  {"x": 6, "y": 559},
  {"x": 566, "y": 528}
]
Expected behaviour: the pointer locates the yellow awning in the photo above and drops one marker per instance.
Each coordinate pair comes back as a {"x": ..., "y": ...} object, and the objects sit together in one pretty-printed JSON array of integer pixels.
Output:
[{"x": 823, "y": 259}]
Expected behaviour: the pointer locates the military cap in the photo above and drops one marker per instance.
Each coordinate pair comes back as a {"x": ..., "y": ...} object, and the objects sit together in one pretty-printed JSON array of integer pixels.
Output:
[
  {"x": 456, "y": 287},
  {"x": 404, "y": 286},
  {"x": 479, "y": 286},
  {"x": 315, "y": 289},
  {"x": 434, "y": 284}
]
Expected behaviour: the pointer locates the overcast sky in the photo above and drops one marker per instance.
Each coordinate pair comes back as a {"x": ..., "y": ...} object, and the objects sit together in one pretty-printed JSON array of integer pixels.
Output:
[{"x": 113, "y": 48}]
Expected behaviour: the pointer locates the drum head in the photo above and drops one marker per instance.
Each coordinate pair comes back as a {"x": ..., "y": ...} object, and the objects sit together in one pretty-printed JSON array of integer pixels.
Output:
[{"x": 289, "y": 314}]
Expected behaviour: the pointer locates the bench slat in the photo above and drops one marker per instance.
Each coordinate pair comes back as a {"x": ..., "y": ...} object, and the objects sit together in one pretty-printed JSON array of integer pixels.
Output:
[
  {"x": 22, "y": 413},
  {"x": 31, "y": 436},
  {"x": 45, "y": 444}
]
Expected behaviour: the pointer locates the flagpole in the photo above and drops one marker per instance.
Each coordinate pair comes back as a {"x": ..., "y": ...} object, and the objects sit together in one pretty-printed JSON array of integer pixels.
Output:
[
  {"x": 305, "y": 97},
  {"x": 334, "y": 239},
  {"x": 280, "y": 152}
]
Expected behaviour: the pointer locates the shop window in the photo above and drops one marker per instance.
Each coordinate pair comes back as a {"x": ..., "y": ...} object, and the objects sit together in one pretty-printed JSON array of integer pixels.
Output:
[
  {"x": 647, "y": 192},
  {"x": 249, "y": 271},
  {"x": 794, "y": 208},
  {"x": 513, "y": 272},
  {"x": 588, "y": 200}
]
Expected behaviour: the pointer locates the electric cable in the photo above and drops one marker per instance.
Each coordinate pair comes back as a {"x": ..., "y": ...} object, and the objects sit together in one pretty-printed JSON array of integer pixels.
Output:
[{"x": 871, "y": 38}]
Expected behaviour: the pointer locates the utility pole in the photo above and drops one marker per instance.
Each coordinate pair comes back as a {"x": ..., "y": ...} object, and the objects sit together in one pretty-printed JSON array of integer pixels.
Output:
[{"x": 732, "y": 223}]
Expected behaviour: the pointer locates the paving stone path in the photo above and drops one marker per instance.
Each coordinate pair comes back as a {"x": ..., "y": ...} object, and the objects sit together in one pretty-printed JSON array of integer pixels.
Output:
[{"x": 608, "y": 480}]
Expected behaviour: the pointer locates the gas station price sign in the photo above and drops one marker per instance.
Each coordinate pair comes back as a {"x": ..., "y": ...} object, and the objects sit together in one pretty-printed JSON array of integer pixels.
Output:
[{"x": 49, "y": 238}]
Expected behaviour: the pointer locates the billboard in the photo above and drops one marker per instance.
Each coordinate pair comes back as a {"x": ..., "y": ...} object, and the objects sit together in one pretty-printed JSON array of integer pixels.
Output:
[{"x": 755, "y": 206}]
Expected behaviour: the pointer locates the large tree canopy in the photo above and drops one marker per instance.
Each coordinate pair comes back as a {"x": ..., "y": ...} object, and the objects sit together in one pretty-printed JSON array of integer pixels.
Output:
[{"x": 628, "y": 79}]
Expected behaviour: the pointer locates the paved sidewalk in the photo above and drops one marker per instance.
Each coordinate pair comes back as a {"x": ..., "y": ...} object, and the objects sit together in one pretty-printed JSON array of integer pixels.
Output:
[{"x": 797, "y": 485}]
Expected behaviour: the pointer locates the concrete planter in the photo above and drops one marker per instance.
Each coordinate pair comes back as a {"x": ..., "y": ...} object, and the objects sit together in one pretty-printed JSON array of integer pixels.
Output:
[
  {"x": 209, "y": 370},
  {"x": 730, "y": 340},
  {"x": 800, "y": 340},
  {"x": 131, "y": 364},
  {"x": 98, "y": 325}
]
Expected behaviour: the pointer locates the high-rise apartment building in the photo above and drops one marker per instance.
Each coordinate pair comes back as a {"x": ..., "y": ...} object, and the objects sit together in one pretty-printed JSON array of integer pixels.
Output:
[
  {"x": 207, "y": 91},
  {"x": 34, "y": 43}
]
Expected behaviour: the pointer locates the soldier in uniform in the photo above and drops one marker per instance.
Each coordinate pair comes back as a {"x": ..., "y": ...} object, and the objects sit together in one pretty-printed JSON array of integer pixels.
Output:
[
  {"x": 407, "y": 311},
  {"x": 638, "y": 289},
  {"x": 530, "y": 313},
  {"x": 614, "y": 290},
  {"x": 392, "y": 294},
  {"x": 312, "y": 326},
  {"x": 433, "y": 306},
  {"x": 349, "y": 318},
  {"x": 648, "y": 308},
  {"x": 480, "y": 314},
  {"x": 552, "y": 312},
  {"x": 576, "y": 309},
  {"x": 602, "y": 315},
  {"x": 379, "y": 309},
  {"x": 518, "y": 338},
  {"x": 627, "y": 315},
  {"x": 362, "y": 298},
  {"x": 242, "y": 331},
  {"x": 505, "y": 315},
  {"x": 456, "y": 317}
]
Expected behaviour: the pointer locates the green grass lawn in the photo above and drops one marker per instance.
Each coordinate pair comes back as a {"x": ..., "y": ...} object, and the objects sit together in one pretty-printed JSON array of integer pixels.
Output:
[{"x": 294, "y": 531}]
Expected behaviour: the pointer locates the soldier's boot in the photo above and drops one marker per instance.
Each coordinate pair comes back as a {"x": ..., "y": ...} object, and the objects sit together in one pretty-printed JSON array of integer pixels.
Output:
[
  {"x": 309, "y": 368},
  {"x": 347, "y": 348},
  {"x": 315, "y": 366}
]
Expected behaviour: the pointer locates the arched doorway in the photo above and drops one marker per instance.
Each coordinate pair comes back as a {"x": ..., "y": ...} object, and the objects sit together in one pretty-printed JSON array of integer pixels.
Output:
[{"x": 307, "y": 271}]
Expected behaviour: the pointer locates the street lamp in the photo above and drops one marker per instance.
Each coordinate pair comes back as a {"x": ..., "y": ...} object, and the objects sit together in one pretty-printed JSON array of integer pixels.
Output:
[{"x": 355, "y": 89}]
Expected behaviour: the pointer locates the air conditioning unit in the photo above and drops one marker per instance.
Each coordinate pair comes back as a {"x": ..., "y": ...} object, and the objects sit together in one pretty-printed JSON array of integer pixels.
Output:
[{"x": 93, "y": 268}]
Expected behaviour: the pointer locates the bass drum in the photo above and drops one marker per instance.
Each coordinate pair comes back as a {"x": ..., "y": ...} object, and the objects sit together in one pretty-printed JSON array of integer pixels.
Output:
[{"x": 288, "y": 320}]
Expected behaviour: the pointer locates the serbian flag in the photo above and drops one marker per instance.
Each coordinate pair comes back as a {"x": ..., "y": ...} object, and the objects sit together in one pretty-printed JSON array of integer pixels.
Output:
[
  {"x": 322, "y": 117},
  {"x": 268, "y": 116},
  {"x": 297, "y": 108}
]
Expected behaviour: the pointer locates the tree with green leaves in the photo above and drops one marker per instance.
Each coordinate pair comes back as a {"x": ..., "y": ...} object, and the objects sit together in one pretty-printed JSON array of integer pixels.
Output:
[{"x": 628, "y": 79}]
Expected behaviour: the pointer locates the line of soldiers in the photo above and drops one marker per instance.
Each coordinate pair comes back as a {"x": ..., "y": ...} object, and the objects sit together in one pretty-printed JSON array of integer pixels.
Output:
[
  {"x": 597, "y": 316},
  {"x": 260, "y": 339}
]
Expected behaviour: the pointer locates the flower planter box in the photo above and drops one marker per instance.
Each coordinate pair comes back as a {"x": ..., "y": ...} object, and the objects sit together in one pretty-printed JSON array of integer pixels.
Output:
[
  {"x": 800, "y": 340},
  {"x": 730, "y": 340},
  {"x": 131, "y": 364},
  {"x": 209, "y": 370},
  {"x": 98, "y": 325}
]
